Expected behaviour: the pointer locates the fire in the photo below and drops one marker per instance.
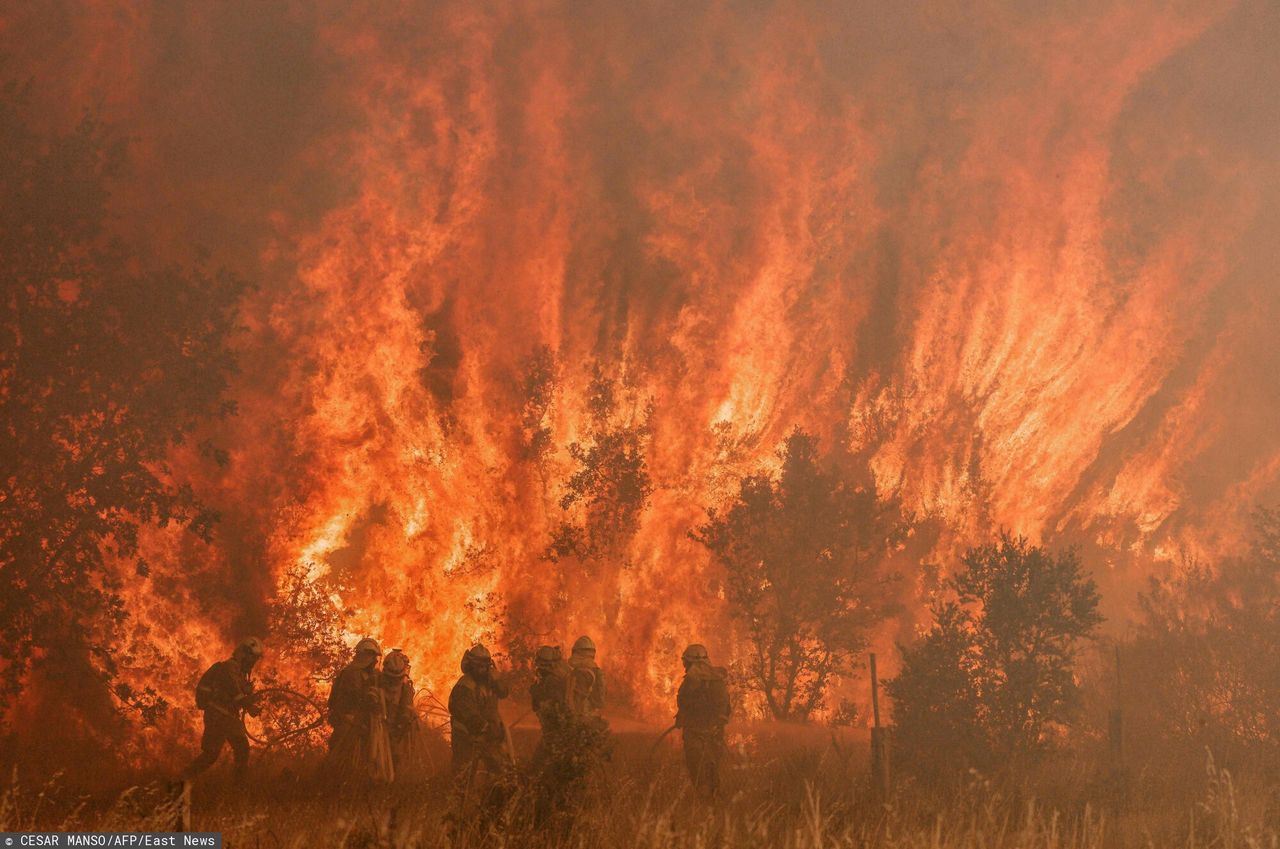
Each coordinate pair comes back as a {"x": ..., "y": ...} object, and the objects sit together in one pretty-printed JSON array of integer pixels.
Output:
[{"x": 993, "y": 274}]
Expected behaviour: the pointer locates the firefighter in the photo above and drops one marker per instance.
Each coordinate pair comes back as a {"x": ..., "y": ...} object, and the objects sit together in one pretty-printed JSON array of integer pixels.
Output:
[
  {"x": 549, "y": 691},
  {"x": 359, "y": 747},
  {"x": 404, "y": 728},
  {"x": 586, "y": 703},
  {"x": 483, "y": 768},
  {"x": 554, "y": 769},
  {"x": 702, "y": 712},
  {"x": 478, "y": 735},
  {"x": 225, "y": 694},
  {"x": 586, "y": 682}
]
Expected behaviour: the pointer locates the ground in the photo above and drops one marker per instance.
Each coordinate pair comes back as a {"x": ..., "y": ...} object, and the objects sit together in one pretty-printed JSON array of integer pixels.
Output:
[{"x": 799, "y": 788}]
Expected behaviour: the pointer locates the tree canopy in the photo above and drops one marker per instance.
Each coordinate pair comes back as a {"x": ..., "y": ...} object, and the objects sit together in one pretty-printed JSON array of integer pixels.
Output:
[
  {"x": 994, "y": 673},
  {"x": 802, "y": 553},
  {"x": 610, "y": 484}
]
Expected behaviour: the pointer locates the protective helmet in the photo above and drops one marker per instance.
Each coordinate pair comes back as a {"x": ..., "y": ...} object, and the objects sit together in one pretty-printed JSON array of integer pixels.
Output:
[
  {"x": 368, "y": 644},
  {"x": 250, "y": 646},
  {"x": 547, "y": 656},
  {"x": 583, "y": 645},
  {"x": 695, "y": 653},
  {"x": 396, "y": 662},
  {"x": 476, "y": 658}
]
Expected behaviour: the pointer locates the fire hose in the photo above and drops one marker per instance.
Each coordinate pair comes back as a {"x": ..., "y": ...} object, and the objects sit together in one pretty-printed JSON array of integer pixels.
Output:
[
  {"x": 656, "y": 743},
  {"x": 266, "y": 741}
]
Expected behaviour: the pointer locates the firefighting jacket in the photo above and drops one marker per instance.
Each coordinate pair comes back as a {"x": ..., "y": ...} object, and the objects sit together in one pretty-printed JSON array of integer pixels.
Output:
[
  {"x": 221, "y": 687},
  {"x": 703, "y": 699}
]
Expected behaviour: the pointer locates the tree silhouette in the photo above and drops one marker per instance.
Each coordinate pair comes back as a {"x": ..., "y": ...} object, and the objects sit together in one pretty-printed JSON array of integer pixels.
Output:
[
  {"x": 610, "y": 484},
  {"x": 537, "y": 389},
  {"x": 995, "y": 672},
  {"x": 802, "y": 553},
  {"x": 1202, "y": 667},
  {"x": 105, "y": 364}
]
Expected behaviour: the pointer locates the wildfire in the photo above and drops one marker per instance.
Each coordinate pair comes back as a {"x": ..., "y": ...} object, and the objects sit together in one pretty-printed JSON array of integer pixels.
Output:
[{"x": 1001, "y": 276}]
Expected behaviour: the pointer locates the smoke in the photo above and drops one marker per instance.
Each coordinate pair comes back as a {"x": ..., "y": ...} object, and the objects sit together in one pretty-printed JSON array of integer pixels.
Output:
[{"x": 1018, "y": 255}]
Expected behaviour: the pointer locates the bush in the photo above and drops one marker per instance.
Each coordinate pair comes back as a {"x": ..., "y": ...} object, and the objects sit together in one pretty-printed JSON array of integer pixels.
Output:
[
  {"x": 992, "y": 680},
  {"x": 1203, "y": 669}
]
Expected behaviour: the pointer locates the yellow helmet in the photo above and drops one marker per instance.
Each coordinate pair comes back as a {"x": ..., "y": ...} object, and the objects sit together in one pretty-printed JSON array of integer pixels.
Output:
[
  {"x": 547, "y": 657},
  {"x": 695, "y": 653},
  {"x": 476, "y": 658},
  {"x": 396, "y": 662}
]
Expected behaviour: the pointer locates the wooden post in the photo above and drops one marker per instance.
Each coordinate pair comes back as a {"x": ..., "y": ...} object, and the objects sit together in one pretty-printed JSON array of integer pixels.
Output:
[
  {"x": 183, "y": 819},
  {"x": 879, "y": 747}
]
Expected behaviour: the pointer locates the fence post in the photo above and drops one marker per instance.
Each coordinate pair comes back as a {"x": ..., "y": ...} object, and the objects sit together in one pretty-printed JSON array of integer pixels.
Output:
[
  {"x": 879, "y": 739},
  {"x": 183, "y": 819}
]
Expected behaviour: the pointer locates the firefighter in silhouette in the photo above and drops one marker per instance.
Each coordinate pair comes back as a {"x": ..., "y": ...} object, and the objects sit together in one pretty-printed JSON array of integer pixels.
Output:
[
  {"x": 586, "y": 681},
  {"x": 404, "y": 728},
  {"x": 225, "y": 694},
  {"x": 553, "y": 766},
  {"x": 549, "y": 692},
  {"x": 586, "y": 703},
  {"x": 479, "y": 737},
  {"x": 359, "y": 748},
  {"x": 702, "y": 713},
  {"x": 483, "y": 769}
]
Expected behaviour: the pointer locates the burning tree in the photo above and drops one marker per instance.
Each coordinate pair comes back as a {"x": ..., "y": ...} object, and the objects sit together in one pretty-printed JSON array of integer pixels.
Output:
[
  {"x": 610, "y": 485},
  {"x": 537, "y": 388},
  {"x": 801, "y": 554},
  {"x": 105, "y": 365},
  {"x": 995, "y": 672}
]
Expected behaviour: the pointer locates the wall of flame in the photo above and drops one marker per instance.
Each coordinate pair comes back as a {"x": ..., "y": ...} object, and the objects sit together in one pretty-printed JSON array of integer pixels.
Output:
[{"x": 1019, "y": 255}]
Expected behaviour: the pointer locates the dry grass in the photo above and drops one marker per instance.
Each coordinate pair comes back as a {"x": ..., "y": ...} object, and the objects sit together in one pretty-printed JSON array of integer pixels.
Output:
[{"x": 789, "y": 797}]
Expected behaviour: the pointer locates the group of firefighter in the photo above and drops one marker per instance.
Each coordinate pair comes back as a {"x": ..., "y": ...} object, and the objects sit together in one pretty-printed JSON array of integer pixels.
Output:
[{"x": 376, "y": 733}]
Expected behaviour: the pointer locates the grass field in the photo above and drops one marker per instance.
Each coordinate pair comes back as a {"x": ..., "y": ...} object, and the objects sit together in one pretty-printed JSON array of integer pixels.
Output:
[{"x": 801, "y": 789}]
